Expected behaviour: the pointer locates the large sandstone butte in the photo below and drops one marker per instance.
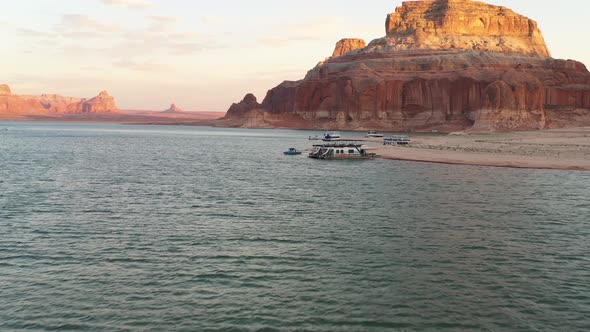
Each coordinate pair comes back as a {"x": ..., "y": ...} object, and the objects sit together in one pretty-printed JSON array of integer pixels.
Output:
[
  {"x": 53, "y": 105},
  {"x": 443, "y": 65}
]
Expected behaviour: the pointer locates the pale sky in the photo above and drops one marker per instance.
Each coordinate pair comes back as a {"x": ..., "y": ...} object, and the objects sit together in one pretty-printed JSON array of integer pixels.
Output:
[{"x": 204, "y": 55}]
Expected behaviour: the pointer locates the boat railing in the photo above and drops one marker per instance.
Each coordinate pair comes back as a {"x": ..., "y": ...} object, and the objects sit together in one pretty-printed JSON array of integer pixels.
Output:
[{"x": 335, "y": 145}]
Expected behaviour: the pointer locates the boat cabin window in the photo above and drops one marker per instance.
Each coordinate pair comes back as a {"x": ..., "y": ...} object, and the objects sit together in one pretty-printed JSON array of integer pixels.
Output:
[{"x": 350, "y": 151}]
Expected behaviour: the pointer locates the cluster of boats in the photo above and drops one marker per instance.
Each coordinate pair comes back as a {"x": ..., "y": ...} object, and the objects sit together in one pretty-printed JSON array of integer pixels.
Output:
[
  {"x": 339, "y": 149},
  {"x": 336, "y": 135}
]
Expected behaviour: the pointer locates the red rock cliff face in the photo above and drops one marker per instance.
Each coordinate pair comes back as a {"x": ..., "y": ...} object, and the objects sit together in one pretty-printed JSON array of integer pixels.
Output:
[
  {"x": 101, "y": 104},
  {"x": 52, "y": 105},
  {"x": 443, "y": 65}
]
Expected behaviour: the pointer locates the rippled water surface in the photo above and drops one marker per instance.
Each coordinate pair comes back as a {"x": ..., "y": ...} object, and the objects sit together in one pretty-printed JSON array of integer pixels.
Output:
[{"x": 134, "y": 228}]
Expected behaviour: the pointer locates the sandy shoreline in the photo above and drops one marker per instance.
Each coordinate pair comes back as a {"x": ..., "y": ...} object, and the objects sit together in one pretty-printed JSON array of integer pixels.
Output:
[{"x": 565, "y": 149}]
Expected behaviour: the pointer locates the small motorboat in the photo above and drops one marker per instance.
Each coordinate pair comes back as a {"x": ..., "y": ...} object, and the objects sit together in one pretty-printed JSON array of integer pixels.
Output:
[
  {"x": 292, "y": 152},
  {"x": 373, "y": 134},
  {"x": 331, "y": 136}
]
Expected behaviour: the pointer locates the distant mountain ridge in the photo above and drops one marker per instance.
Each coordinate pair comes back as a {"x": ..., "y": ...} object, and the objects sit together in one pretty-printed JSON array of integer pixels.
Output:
[{"x": 54, "y": 105}]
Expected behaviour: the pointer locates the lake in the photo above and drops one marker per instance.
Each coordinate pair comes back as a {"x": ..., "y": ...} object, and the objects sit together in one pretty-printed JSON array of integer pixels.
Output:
[{"x": 107, "y": 227}]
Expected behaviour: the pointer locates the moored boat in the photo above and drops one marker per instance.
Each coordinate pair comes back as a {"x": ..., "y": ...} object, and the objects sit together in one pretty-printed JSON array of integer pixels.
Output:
[
  {"x": 340, "y": 151},
  {"x": 292, "y": 152},
  {"x": 333, "y": 135},
  {"x": 373, "y": 134},
  {"x": 397, "y": 140}
]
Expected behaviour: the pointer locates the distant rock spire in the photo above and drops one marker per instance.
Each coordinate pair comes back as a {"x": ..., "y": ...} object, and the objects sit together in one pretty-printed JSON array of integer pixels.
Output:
[{"x": 173, "y": 109}]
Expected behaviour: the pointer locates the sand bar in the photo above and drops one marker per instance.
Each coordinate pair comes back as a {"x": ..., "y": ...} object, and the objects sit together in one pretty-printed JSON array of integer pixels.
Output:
[{"x": 566, "y": 149}]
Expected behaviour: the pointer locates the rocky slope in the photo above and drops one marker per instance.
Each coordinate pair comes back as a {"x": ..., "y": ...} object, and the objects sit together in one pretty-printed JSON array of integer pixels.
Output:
[
  {"x": 54, "y": 105},
  {"x": 443, "y": 65}
]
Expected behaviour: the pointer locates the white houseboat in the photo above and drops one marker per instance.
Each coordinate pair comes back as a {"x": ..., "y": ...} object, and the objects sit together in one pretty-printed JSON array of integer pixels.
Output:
[
  {"x": 373, "y": 134},
  {"x": 340, "y": 151}
]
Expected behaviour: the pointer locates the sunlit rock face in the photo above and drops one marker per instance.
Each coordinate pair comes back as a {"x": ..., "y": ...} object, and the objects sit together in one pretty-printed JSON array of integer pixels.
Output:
[
  {"x": 51, "y": 104},
  {"x": 5, "y": 90},
  {"x": 101, "y": 104},
  {"x": 348, "y": 45},
  {"x": 443, "y": 65},
  {"x": 461, "y": 25}
]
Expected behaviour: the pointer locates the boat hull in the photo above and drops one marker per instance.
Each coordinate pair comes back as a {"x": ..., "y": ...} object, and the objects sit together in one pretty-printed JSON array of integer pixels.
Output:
[{"x": 341, "y": 158}]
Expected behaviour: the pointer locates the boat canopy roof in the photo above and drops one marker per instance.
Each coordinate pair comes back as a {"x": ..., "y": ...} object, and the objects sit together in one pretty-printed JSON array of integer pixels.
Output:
[{"x": 338, "y": 145}]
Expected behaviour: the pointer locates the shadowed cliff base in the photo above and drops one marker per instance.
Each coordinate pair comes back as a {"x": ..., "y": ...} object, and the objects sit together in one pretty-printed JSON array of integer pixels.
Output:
[{"x": 443, "y": 65}]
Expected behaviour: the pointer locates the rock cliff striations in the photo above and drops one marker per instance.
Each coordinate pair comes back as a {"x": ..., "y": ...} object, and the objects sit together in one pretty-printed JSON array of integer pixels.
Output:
[
  {"x": 443, "y": 65},
  {"x": 54, "y": 105}
]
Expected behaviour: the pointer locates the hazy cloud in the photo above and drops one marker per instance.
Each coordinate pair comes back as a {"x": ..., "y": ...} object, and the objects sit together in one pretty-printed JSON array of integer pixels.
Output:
[
  {"x": 303, "y": 31},
  {"x": 26, "y": 32},
  {"x": 214, "y": 20},
  {"x": 151, "y": 47},
  {"x": 282, "y": 41},
  {"x": 131, "y": 4},
  {"x": 84, "y": 26},
  {"x": 144, "y": 66},
  {"x": 162, "y": 23},
  {"x": 164, "y": 19}
]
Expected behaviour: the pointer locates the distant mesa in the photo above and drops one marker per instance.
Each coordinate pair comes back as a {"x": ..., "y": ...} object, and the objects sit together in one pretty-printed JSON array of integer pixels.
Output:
[
  {"x": 445, "y": 65},
  {"x": 54, "y": 105},
  {"x": 5, "y": 90},
  {"x": 172, "y": 110},
  {"x": 101, "y": 104}
]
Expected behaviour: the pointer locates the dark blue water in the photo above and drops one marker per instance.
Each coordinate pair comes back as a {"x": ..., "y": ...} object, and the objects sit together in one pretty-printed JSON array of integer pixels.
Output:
[{"x": 135, "y": 228}]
